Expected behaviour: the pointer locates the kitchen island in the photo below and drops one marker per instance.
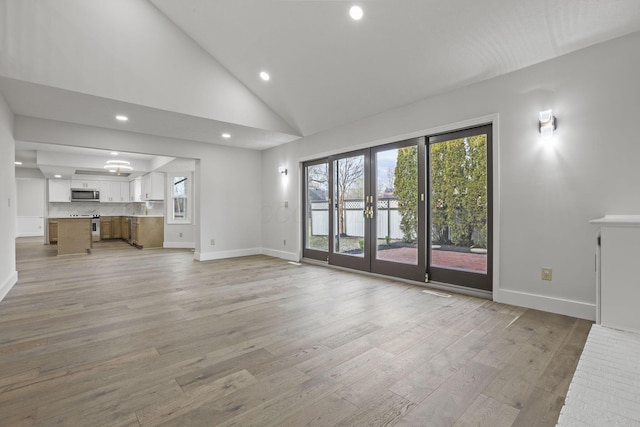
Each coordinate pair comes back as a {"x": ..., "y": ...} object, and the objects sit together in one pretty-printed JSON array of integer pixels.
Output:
[{"x": 74, "y": 236}]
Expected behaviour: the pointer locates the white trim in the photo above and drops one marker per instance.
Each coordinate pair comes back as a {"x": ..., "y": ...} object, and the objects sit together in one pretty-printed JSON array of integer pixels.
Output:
[
  {"x": 495, "y": 252},
  {"x": 578, "y": 309},
  {"x": 489, "y": 118},
  {"x": 8, "y": 284},
  {"x": 170, "y": 196},
  {"x": 31, "y": 234},
  {"x": 289, "y": 256},
  {"x": 208, "y": 256},
  {"x": 179, "y": 245}
]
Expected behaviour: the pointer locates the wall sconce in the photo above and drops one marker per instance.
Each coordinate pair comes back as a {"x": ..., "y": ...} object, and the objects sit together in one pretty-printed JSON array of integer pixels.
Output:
[
  {"x": 547, "y": 123},
  {"x": 282, "y": 170}
]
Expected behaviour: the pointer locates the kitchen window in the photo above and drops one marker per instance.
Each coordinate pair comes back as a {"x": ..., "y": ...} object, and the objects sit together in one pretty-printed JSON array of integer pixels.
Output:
[{"x": 180, "y": 201}]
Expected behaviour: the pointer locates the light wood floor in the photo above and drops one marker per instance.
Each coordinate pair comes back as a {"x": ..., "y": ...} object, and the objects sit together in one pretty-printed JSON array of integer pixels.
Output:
[{"x": 125, "y": 337}]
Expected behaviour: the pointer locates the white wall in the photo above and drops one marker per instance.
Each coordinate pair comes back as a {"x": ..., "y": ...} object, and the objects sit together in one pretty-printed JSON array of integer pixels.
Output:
[
  {"x": 8, "y": 272},
  {"x": 548, "y": 193},
  {"x": 228, "y": 195},
  {"x": 30, "y": 198}
]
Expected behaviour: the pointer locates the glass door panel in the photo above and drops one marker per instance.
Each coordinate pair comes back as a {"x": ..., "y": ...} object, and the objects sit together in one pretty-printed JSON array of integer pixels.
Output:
[
  {"x": 350, "y": 225},
  {"x": 398, "y": 191},
  {"x": 459, "y": 208},
  {"x": 397, "y": 205},
  {"x": 316, "y": 216}
]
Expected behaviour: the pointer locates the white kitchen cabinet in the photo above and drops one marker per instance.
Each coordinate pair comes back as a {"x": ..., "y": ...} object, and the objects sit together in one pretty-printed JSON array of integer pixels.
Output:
[
  {"x": 59, "y": 190},
  {"x": 114, "y": 192},
  {"x": 135, "y": 190},
  {"x": 617, "y": 287},
  {"x": 105, "y": 191},
  {"x": 124, "y": 192},
  {"x": 85, "y": 185},
  {"x": 153, "y": 186}
]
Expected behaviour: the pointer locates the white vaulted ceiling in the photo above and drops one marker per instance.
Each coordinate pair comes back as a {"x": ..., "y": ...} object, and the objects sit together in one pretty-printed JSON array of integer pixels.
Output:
[{"x": 189, "y": 69}]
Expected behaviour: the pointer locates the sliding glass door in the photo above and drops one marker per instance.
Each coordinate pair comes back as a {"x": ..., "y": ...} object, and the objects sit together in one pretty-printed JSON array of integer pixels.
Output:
[
  {"x": 460, "y": 208},
  {"x": 417, "y": 209},
  {"x": 398, "y": 214},
  {"x": 350, "y": 220}
]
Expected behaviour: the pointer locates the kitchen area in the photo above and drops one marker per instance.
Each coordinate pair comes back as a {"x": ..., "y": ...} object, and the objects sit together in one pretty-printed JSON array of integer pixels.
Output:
[
  {"x": 85, "y": 211},
  {"x": 80, "y": 200}
]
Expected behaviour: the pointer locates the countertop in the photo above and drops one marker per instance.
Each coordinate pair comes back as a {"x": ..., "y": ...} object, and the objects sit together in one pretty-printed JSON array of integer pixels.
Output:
[
  {"x": 91, "y": 216},
  {"x": 618, "y": 220},
  {"x": 69, "y": 217}
]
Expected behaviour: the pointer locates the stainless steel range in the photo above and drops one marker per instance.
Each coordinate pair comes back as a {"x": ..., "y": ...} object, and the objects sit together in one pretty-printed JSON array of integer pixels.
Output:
[{"x": 95, "y": 228}]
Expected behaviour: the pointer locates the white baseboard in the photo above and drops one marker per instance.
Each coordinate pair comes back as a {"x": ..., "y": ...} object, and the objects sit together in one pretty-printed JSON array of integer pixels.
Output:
[
  {"x": 578, "y": 309},
  {"x": 8, "y": 284},
  {"x": 289, "y": 256},
  {"x": 30, "y": 234},
  {"x": 208, "y": 256},
  {"x": 179, "y": 245}
]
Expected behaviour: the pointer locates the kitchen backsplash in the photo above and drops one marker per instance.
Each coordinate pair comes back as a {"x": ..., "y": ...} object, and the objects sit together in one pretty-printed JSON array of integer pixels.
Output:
[{"x": 106, "y": 209}]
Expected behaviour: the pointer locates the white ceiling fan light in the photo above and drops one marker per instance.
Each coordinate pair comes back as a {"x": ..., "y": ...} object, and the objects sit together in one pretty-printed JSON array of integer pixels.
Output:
[{"x": 116, "y": 166}]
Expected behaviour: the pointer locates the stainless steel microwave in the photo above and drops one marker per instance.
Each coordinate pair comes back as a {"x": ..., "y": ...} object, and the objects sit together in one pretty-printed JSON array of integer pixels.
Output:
[{"x": 78, "y": 195}]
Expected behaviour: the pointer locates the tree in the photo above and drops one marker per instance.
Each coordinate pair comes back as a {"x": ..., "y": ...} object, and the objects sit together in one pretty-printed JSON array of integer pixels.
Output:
[
  {"x": 477, "y": 188},
  {"x": 349, "y": 172},
  {"x": 406, "y": 191},
  {"x": 459, "y": 191}
]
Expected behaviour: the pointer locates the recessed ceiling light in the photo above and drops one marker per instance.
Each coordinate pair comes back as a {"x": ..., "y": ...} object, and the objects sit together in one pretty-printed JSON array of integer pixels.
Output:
[
  {"x": 264, "y": 76},
  {"x": 57, "y": 176},
  {"x": 17, "y": 163},
  {"x": 122, "y": 118},
  {"x": 226, "y": 135},
  {"x": 356, "y": 13},
  {"x": 114, "y": 153}
]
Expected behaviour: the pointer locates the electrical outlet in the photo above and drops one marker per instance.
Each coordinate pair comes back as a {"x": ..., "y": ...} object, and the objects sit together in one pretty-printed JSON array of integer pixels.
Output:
[
  {"x": 285, "y": 242},
  {"x": 286, "y": 203},
  {"x": 213, "y": 242},
  {"x": 546, "y": 273},
  {"x": 180, "y": 234}
]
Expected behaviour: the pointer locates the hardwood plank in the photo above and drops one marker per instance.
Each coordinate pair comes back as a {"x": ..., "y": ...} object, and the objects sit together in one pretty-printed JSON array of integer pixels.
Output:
[
  {"x": 541, "y": 409},
  {"x": 203, "y": 394},
  {"x": 384, "y": 411},
  {"x": 326, "y": 412},
  {"x": 274, "y": 411},
  {"x": 444, "y": 406},
  {"x": 487, "y": 412},
  {"x": 129, "y": 337},
  {"x": 241, "y": 401}
]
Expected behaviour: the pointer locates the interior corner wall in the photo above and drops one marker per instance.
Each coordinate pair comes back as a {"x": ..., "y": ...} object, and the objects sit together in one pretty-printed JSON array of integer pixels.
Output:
[
  {"x": 548, "y": 192},
  {"x": 8, "y": 272}
]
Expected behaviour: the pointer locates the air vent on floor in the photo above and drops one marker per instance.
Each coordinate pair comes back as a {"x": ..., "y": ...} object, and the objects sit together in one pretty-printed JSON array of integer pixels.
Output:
[{"x": 438, "y": 294}]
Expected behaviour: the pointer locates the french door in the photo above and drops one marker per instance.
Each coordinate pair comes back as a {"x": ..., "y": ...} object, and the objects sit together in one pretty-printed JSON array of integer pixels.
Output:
[
  {"x": 363, "y": 210},
  {"x": 416, "y": 209}
]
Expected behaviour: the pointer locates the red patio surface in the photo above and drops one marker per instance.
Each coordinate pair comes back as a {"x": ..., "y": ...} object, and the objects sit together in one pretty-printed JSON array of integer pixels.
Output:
[{"x": 476, "y": 263}]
